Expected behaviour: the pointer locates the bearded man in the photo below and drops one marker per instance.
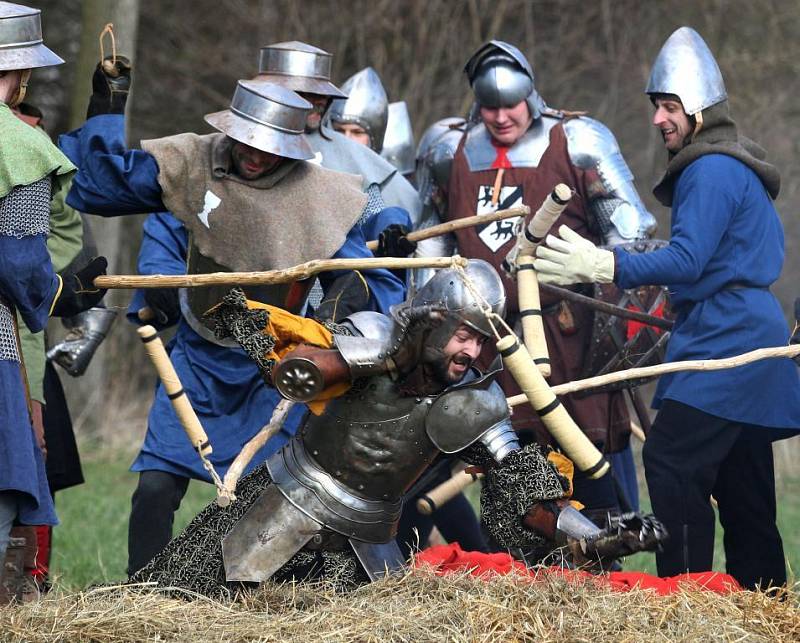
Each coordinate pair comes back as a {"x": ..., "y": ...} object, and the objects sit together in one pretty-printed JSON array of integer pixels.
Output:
[{"x": 329, "y": 502}]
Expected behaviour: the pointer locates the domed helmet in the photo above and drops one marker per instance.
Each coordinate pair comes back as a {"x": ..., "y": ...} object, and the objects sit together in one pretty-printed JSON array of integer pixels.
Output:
[
  {"x": 447, "y": 290},
  {"x": 435, "y": 154},
  {"x": 501, "y": 76},
  {"x": 298, "y": 66}
]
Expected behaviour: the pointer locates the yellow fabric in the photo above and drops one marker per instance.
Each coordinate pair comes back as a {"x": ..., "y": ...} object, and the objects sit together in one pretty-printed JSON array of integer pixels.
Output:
[
  {"x": 289, "y": 332},
  {"x": 566, "y": 468}
]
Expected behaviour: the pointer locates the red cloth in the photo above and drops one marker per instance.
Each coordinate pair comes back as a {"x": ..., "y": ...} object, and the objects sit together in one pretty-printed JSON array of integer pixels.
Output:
[
  {"x": 501, "y": 160},
  {"x": 635, "y": 326},
  {"x": 451, "y": 558}
]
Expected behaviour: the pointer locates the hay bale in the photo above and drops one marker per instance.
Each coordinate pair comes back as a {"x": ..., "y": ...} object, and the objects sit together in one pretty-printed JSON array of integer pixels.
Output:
[{"x": 417, "y": 606}]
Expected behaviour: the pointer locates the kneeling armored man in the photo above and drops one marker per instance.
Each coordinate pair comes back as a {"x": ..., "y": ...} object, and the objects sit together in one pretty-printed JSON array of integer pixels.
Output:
[{"x": 328, "y": 503}]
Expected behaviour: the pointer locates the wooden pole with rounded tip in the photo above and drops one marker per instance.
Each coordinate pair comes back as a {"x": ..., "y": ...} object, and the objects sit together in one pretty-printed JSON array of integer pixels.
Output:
[
  {"x": 175, "y": 392},
  {"x": 548, "y": 407},
  {"x": 249, "y": 451},
  {"x": 530, "y": 310},
  {"x": 429, "y": 502}
]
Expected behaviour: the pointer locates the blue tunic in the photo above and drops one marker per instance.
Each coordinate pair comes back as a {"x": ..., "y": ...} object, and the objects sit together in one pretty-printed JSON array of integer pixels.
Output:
[
  {"x": 223, "y": 384},
  {"x": 726, "y": 249},
  {"x": 28, "y": 282}
]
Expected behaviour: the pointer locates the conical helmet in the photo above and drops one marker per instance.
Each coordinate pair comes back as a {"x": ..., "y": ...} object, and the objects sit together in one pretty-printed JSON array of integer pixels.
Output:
[
  {"x": 267, "y": 117},
  {"x": 686, "y": 68},
  {"x": 21, "y": 42},
  {"x": 501, "y": 76},
  {"x": 366, "y": 105},
  {"x": 398, "y": 141},
  {"x": 299, "y": 67}
]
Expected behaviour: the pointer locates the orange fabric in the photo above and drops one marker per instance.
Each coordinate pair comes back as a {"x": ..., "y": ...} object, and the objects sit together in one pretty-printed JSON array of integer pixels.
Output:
[
  {"x": 290, "y": 331},
  {"x": 566, "y": 468},
  {"x": 451, "y": 558}
]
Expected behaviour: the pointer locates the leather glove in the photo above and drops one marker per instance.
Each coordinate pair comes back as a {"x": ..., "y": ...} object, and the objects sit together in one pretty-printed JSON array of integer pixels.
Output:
[
  {"x": 87, "y": 331},
  {"x": 347, "y": 294},
  {"x": 110, "y": 89},
  {"x": 393, "y": 242},
  {"x": 78, "y": 292},
  {"x": 164, "y": 304},
  {"x": 573, "y": 260},
  {"x": 408, "y": 337}
]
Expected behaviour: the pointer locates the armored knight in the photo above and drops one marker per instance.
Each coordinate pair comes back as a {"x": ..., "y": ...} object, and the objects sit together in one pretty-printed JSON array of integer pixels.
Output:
[
  {"x": 306, "y": 70},
  {"x": 514, "y": 151},
  {"x": 31, "y": 170},
  {"x": 338, "y": 485},
  {"x": 242, "y": 199}
]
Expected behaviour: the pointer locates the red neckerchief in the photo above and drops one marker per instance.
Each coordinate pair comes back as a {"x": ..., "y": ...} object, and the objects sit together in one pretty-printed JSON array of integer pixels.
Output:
[{"x": 501, "y": 159}]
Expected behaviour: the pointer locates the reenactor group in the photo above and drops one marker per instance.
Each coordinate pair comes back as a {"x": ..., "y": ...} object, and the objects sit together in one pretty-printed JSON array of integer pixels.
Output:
[{"x": 393, "y": 374}]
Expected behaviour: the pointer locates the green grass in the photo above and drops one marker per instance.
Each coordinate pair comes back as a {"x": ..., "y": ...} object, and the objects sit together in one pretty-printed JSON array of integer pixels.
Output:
[{"x": 90, "y": 545}]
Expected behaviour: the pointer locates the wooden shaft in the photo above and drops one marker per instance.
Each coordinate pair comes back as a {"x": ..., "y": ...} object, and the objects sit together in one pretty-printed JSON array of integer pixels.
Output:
[
  {"x": 172, "y": 385},
  {"x": 250, "y": 449},
  {"x": 498, "y": 184},
  {"x": 429, "y": 502},
  {"x": 546, "y": 215},
  {"x": 548, "y": 407},
  {"x": 530, "y": 310},
  {"x": 602, "y": 306},
  {"x": 662, "y": 369},
  {"x": 288, "y": 275},
  {"x": 459, "y": 224}
]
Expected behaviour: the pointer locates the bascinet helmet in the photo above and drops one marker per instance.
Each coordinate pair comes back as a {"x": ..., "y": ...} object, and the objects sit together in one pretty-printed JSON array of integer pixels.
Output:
[
  {"x": 267, "y": 117},
  {"x": 447, "y": 290},
  {"x": 501, "y": 76},
  {"x": 398, "y": 142},
  {"x": 299, "y": 67},
  {"x": 686, "y": 68},
  {"x": 21, "y": 42},
  {"x": 366, "y": 105}
]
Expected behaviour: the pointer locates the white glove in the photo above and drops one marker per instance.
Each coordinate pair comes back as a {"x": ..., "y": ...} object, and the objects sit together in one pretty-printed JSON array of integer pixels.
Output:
[{"x": 573, "y": 260}]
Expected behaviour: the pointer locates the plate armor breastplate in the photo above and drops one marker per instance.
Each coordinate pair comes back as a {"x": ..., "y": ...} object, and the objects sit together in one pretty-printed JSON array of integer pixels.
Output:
[
  {"x": 196, "y": 301},
  {"x": 373, "y": 440}
]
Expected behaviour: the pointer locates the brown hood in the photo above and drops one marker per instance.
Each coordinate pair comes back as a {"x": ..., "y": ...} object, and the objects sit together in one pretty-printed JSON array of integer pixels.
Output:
[{"x": 718, "y": 135}]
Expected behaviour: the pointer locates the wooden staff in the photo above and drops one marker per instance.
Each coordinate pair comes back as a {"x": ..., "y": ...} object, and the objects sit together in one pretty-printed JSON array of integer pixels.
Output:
[
  {"x": 288, "y": 275},
  {"x": 429, "y": 502},
  {"x": 172, "y": 385},
  {"x": 548, "y": 407},
  {"x": 249, "y": 450},
  {"x": 459, "y": 224},
  {"x": 672, "y": 367}
]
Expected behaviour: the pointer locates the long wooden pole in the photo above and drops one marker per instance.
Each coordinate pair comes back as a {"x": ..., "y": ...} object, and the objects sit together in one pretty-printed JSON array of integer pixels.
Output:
[
  {"x": 288, "y": 275},
  {"x": 663, "y": 369},
  {"x": 459, "y": 224}
]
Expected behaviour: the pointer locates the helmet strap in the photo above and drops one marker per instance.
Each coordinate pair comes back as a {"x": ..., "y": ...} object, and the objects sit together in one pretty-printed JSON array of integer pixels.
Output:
[
  {"x": 22, "y": 88},
  {"x": 698, "y": 124}
]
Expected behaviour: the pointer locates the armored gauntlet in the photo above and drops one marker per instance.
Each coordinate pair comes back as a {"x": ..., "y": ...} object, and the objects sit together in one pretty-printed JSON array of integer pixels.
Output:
[{"x": 87, "y": 330}]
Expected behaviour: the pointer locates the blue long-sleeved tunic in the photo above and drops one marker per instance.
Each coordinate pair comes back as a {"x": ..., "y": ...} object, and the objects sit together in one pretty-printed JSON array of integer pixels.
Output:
[
  {"x": 726, "y": 249},
  {"x": 223, "y": 384}
]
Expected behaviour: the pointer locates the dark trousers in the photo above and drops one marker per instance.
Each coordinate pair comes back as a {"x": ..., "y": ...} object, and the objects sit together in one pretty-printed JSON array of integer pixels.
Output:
[
  {"x": 153, "y": 506},
  {"x": 690, "y": 455}
]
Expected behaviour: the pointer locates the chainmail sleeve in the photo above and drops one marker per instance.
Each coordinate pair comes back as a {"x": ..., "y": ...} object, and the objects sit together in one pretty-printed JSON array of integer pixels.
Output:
[
  {"x": 24, "y": 212},
  {"x": 510, "y": 487}
]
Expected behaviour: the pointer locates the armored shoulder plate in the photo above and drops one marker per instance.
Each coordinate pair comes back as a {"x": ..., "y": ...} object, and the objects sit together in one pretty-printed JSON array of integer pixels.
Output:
[
  {"x": 526, "y": 152},
  {"x": 620, "y": 212},
  {"x": 365, "y": 351},
  {"x": 370, "y": 324},
  {"x": 464, "y": 414}
]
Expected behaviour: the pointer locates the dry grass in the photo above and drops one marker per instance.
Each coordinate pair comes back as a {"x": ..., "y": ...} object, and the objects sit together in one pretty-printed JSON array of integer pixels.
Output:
[{"x": 416, "y": 607}]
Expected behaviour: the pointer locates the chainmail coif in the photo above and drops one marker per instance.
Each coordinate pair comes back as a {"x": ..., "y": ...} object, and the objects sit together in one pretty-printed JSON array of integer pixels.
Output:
[{"x": 511, "y": 487}]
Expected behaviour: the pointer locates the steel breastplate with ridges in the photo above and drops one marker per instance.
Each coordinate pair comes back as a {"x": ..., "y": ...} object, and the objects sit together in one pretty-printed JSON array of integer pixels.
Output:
[
  {"x": 372, "y": 439},
  {"x": 196, "y": 301}
]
